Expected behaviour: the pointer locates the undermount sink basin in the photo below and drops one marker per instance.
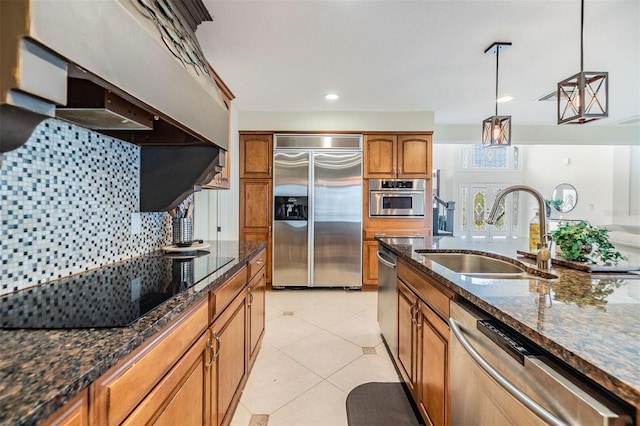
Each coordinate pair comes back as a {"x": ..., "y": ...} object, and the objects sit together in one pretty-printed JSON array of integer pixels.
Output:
[{"x": 478, "y": 265}]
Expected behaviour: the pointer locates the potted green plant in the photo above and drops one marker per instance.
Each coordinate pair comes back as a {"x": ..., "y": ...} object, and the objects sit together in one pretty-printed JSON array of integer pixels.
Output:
[{"x": 583, "y": 242}]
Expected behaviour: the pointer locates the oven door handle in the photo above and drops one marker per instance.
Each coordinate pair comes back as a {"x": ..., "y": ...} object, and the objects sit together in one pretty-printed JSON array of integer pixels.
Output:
[
  {"x": 507, "y": 385},
  {"x": 385, "y": 261}
]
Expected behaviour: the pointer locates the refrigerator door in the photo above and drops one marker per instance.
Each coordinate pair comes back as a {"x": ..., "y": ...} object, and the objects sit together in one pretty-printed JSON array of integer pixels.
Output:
[
  {"x": 337, "y": 219},
  {"x": 291, "y": 237}
]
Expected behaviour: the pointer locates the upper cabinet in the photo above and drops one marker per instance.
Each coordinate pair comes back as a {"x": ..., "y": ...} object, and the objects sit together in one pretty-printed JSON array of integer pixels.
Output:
[
  {"x": 405, "y": 156},
  {"x": 256, "y": 155}
]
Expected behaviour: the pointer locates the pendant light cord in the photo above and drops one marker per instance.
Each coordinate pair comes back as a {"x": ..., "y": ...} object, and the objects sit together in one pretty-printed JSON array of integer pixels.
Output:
[
  {"x": 582, "y": 36},
  {"x": 497, "y": 62}
]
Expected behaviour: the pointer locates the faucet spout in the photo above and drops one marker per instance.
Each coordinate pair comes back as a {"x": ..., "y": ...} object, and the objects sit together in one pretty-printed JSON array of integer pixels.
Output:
[{"x": 543, "y": 256}]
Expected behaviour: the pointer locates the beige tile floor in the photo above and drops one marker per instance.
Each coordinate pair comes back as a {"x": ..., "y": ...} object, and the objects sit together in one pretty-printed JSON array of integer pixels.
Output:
[{"x": 319, "y": 344}]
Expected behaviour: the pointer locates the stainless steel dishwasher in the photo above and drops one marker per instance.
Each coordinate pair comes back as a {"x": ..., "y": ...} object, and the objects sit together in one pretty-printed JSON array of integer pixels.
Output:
[
  {"x": 387, "y": 303},
  {"x": 497, "y": 378}
]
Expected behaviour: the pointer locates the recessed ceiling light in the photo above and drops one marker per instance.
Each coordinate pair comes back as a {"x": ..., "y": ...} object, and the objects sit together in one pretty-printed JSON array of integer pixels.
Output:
[
  {"x": 331, "y": 96},
  {"x": 504, "y": 99}
]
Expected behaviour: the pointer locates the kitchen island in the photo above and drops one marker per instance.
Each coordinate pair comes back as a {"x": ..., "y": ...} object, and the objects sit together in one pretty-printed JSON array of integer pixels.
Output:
[
  {"x": 43, "y": 369},
  {"x": 591, "y": 322}
]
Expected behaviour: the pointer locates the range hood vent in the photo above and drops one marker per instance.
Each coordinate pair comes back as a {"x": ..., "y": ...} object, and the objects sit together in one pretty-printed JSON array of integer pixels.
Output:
[
  {"x": 130, "y": 69},
  {"x": 97, "y": 108}
]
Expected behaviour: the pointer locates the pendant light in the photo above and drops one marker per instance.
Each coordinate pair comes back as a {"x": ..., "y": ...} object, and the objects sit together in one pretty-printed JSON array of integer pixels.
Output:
[
  {"x": 496, "y": 130},
  {"x": 583, "y": 97}
]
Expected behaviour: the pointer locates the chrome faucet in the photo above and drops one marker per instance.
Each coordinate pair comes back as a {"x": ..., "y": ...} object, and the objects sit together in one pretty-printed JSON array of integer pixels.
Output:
[{"x": 543, "y": 256}]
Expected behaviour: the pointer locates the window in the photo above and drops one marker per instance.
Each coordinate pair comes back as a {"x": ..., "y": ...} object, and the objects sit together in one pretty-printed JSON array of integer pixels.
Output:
[{"x": 499, "y": 158}]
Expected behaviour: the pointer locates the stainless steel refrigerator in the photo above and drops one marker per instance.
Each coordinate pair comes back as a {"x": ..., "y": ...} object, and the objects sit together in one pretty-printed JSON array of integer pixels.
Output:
[{"x": 317, "y": 226}]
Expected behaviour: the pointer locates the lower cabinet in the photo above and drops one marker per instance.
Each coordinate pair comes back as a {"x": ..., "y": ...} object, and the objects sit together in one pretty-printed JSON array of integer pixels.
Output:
[
  {"x": 423, "y": 346},
  {"x": 407, "y": 336},
  {"x": 182, "y": 396},
  {"x": 190, "y": 373},
  {"x": 74, "y": 413},
  {"x": 256, "y": 292},
  {"x": 228, "y": 359},
  {"x": 433, "y": 368}
]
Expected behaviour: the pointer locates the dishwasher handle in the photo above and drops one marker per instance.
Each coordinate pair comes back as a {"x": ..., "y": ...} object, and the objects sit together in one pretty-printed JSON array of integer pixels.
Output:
[
  {"x": 540, "y": 411},
  {"x": 385, "y": 261}
]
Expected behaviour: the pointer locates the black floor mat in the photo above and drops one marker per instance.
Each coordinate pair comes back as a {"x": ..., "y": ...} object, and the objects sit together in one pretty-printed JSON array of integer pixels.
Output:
[{"x": 381, "y": 404}]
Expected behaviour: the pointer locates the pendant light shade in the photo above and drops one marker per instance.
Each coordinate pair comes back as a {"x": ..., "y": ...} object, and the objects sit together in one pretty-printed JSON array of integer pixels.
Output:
[
  {"x": 496, "y": 130},
  {"x": 583, "y": 97}
]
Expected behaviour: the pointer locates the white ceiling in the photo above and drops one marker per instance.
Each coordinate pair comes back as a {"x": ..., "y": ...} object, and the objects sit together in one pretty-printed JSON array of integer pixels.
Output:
[{"x": 421, "y": 55}]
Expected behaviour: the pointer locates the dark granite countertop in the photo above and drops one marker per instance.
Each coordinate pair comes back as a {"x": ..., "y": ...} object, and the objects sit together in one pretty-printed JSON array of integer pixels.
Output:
[
  {"x": 41, "y": 370},
  {"x": 589, "y": 321}
]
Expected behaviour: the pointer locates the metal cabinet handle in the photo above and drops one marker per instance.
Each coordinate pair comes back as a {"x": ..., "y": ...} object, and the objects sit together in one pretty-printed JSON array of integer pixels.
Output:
[
  {"x": 399, "y": 171},
  {"x": 260, "y": 261},
  {"x": 414, "y": 313},
  {"x": 250, "y": 297},
  {"x": 507, "y": 385},
  {"x": 216, "y": 337},
  {"x": 385, "y": 261},
  {"x": 270, "y": 169},
  {"x": 210, "y": 346}
]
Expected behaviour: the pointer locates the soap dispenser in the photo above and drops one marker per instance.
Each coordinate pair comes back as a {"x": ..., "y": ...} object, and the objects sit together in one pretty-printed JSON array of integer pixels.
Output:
[{"x": 534, "y": 232}]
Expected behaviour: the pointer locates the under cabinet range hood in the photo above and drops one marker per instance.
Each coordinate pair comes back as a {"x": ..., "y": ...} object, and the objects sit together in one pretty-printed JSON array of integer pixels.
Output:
[{"x": 131, "y": 69}]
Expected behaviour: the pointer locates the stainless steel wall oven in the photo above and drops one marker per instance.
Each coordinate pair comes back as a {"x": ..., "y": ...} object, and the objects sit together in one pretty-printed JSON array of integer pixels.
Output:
[{"x": 397, "y": 197}]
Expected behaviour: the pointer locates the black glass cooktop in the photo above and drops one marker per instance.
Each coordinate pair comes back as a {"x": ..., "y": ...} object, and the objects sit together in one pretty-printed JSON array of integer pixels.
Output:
[{"x": 112, "y": 296}]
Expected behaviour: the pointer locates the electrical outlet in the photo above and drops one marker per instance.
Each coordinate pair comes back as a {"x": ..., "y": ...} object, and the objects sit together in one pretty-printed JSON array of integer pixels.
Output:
[{"x": 136, "y": 223}]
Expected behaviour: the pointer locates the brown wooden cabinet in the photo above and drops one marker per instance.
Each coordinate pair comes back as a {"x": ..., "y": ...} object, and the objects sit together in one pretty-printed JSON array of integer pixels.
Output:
[
  {"x": 256, "y": 156},
  {"x": 369, "y": 264},
  {"x": 423, "y": 342},
  {"x": 256, "y": 292},
  {"x": 433, "y": 368},
  {"x": 255, "y": 214},
  {"x": 407, "y": 336},
  {"x": 406, "y": 156},
  {"x": 74, "y": 413},
  {"x": 182, "y": 397},
  {"x": 118, "y": 392},
  {"x": 228, "y": 365}
]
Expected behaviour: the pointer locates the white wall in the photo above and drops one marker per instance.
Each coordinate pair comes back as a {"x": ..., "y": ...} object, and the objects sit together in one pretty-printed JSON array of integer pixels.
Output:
[
  {"x": 219, "y": 208},
  {"x": 325, "y": 121},
  {"x": 606, "y": 177}
]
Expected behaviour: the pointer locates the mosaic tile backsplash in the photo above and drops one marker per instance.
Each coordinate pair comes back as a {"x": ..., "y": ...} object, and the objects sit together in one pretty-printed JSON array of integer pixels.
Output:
[{"x": 66, "y": 199}]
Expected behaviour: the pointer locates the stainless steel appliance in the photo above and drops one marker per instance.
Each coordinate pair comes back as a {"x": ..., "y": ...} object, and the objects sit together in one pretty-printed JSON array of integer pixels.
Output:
[
  {"x": 397, "y": 197},
  {"x": 317, "y": 227},
  {"x": 498, "y": 378},
  {"x": 387, "y": 297}
]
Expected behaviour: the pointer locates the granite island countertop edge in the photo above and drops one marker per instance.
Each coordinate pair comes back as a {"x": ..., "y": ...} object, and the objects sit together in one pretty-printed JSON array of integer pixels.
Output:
[{"x": 600, "y": 376}]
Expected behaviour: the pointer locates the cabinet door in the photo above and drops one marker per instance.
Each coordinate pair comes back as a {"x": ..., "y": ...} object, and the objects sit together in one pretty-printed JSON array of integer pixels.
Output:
[
  {"x": 182, "y": 396},
  {"x": 433, "y": 395},
  {"x": 230, "y": 354},
  {"x": 414, "y": 156},
  {"x": 74, "y": 413},
  {"x": 255, "y": 206},
  {"x": 256, "y": 156},
  {"x": 407, "y": 335},
  {"x": 380, "y": 156},
  {"x": 256, "y": 312},
  {"x": 370, "y": 263}
]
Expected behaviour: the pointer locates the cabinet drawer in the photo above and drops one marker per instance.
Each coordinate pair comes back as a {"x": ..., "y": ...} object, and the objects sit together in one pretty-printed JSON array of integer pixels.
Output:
[
  {"x": 221, "y": 297},
  {"x": 257, "y": 263},
  {"x": 120, "y": 391},
  {"x": 434, "y": 294}
]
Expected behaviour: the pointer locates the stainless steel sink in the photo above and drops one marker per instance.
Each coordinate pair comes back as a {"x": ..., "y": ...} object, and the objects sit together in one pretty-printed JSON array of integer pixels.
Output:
[{"x": 478, "y": 265}]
